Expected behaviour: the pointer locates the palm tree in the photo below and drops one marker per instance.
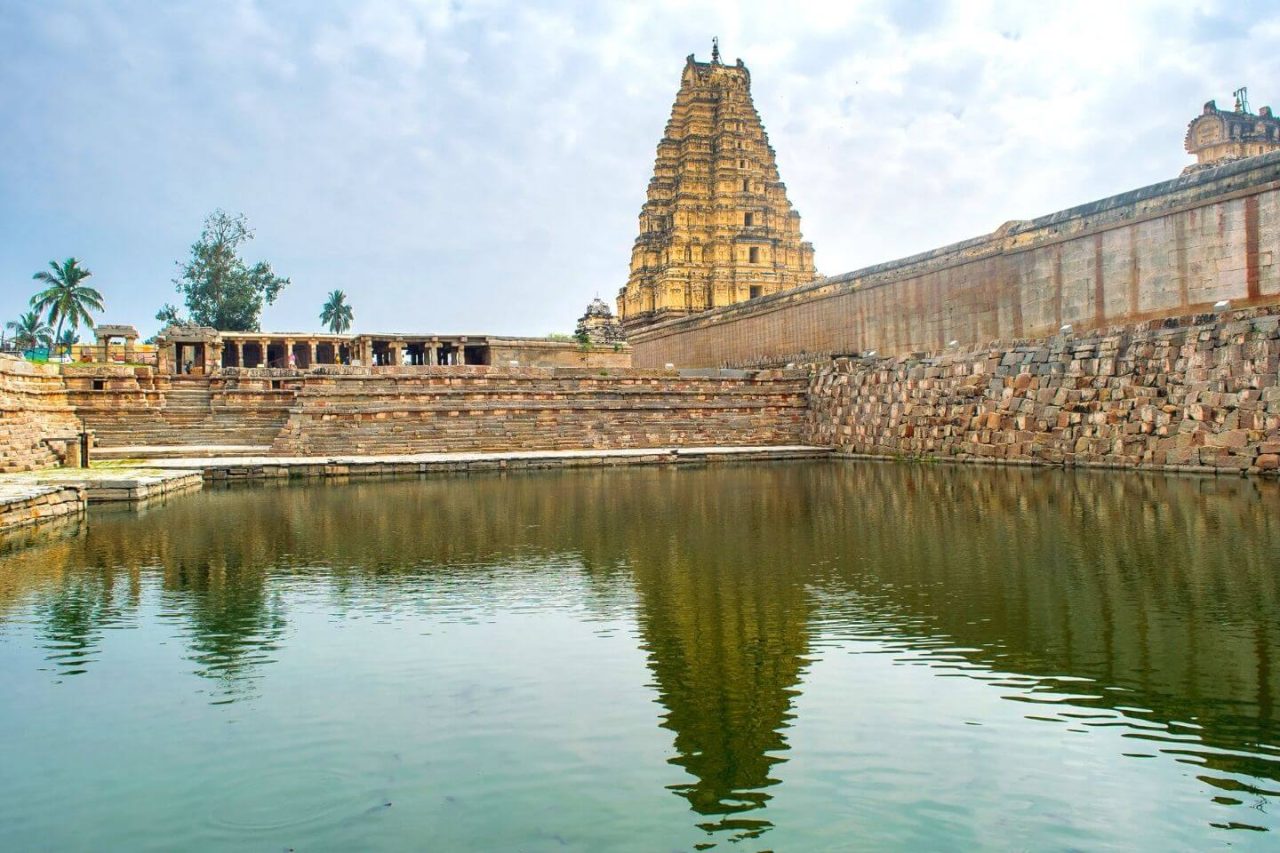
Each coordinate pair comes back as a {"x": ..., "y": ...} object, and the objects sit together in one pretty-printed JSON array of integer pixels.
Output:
[
  {"x": 336, "y": 313},
  {"x": 29, "y": 331},
  {"x": 70, "y": 337},
  {"x": 65, "y": 298}
]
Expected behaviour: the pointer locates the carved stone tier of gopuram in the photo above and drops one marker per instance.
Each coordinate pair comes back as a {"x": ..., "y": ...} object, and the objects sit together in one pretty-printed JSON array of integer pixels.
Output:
[
  {"x": 1221, "y": 136},
  {"x": 717, "y": 228}
]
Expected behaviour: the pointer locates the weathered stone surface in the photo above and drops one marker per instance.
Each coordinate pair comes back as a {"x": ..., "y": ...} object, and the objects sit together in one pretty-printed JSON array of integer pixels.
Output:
[
  {"x": 35, "y": 416},
  {"x": 471, "y": 408},
  {"x": 717, "y": 228},
  {"x": 1169, "y": 249},
  {"x": 1171, "y": 394}
]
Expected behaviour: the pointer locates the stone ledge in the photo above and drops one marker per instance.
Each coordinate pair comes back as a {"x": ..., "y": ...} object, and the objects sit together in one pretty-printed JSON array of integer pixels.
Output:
[{"x": 268, "y": 468}]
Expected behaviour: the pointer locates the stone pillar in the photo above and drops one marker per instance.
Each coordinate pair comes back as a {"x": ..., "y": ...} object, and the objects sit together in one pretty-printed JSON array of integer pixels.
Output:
[
  {"x": 239, "y": 353},
  {"x": 311, "y": 349},
  {"x": 433, "y": 353},
  {"x": 128, "y": 349},
  {"x": 395, "y": 353},
  {"x": 288, "y": 352}
]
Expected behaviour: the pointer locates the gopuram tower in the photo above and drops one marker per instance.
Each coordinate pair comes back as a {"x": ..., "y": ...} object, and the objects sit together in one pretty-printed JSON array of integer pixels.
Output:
[{"x": 717, "y": 227}]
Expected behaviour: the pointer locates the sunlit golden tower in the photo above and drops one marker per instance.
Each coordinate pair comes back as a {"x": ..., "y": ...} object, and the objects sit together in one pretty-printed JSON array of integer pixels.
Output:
[{"x": 717, "y": 227}]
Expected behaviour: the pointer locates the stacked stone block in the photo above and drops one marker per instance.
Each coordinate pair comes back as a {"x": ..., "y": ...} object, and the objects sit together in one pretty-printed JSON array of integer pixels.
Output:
[
  {"x": 481, "y": 409},
  {"x": 34, "y": 414},
  {"x": 1191, "y": 393}
]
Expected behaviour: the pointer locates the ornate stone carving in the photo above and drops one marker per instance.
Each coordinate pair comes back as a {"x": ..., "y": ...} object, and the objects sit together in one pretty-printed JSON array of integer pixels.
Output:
[{"x": 717, "y": 227}]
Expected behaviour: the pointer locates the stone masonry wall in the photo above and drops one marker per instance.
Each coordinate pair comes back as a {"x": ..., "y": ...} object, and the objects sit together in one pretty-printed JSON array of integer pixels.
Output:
[
  {"x": 33, "y": 408},
  {"x": 1164, "y": 250},
  {"x": 478, "y": 409},
  {"x": 353, "y": 410},
  {"x": 1191, "y": 393}
]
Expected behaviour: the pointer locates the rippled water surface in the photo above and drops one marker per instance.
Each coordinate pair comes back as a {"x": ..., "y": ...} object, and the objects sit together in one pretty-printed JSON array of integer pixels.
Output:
[{"x": 806, "y": 656}]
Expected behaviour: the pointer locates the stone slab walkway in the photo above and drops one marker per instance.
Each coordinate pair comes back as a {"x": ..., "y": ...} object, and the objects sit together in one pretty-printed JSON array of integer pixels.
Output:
[
  {"x": 267, "y": 467},
  {"x": 34, "y": 496}
]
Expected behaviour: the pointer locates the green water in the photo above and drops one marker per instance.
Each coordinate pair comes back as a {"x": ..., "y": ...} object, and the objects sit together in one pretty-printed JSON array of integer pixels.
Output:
[{"x": 806, "y": 656}]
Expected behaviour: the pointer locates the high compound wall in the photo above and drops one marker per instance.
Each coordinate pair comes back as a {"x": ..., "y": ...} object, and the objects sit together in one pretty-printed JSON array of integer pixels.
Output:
[
  {"x": 34, "y": 414},
  {"x": 1168, "y": 249},
  {"x": 1193, "y": 393}
]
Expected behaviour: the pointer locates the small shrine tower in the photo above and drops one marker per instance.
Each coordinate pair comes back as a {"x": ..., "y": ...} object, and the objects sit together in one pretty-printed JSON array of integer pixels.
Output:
[{"x": 1220, "y": 136}]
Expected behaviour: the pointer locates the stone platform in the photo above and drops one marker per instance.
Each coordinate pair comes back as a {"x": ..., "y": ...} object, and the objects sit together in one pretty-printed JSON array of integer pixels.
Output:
[
  {"x": 33, "y": 497},
  {"x": 272, "y": 467},
  {"x": 38, "y": 496},
  {"x": 26, "y": 503}
]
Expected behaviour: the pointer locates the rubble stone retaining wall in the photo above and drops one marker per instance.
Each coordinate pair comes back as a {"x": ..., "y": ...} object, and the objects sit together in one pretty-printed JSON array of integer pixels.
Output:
[
  {"x": 34, "y": 414},
  {"x": 1191, "y": 393}
]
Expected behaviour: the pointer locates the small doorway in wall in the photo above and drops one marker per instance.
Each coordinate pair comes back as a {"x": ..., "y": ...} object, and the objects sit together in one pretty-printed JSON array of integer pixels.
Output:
[
  {"x": 757, "y": 290},
  {"x": 477, "y": 354}
]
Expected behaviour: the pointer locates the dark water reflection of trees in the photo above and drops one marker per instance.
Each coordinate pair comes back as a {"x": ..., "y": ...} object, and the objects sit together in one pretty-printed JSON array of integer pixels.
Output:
[{"x": 1166, "y": 587}]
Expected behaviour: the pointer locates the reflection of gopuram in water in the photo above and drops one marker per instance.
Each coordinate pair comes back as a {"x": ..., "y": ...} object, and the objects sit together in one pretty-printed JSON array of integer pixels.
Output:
[{"x": 732, "y": 573}]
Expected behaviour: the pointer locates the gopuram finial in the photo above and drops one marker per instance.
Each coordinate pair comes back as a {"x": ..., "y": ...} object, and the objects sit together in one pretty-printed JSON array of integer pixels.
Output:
[{"x": 715, "y": 49}]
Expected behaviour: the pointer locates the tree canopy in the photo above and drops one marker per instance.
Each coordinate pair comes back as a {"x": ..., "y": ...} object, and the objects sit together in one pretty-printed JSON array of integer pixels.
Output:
[
  {"x": 65, "y": 298},
  {"x": 336, "y": 313},
  {"x": 221, "y": 290},
  {"x": 30, "y": 331}
]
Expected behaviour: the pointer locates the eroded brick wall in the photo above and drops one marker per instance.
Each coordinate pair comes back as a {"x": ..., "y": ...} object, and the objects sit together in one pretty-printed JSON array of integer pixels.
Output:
[
  {"x": 1165, "y": 250},
  {"x": 33, "y": 409},
  {"x": 1197, "y": 392}
]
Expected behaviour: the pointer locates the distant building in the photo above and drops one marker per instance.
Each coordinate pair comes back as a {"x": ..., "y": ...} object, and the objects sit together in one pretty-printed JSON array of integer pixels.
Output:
[
  {"x": 598, "y": 326},
  {"x": 1220, "y": 136},
  {"x": 717, "y": 227}
]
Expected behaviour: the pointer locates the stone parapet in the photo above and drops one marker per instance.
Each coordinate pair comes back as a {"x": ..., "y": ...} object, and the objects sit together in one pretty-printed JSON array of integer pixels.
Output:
[{"x": 1196, "y": 393}]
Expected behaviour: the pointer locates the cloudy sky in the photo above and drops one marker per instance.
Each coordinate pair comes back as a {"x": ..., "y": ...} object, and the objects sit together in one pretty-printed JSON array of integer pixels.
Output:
[{"x": 463, "y": 166}]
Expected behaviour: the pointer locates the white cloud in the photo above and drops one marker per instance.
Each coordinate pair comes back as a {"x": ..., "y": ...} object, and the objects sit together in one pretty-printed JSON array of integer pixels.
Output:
[{"x": 479, "y": 166}]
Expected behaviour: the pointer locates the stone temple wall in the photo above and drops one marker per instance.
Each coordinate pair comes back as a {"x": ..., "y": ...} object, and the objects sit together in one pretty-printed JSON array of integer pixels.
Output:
[
  {"x": 33, "y": 409},
  {"x": 1192, "y": 393},
  {"x": 1164, "y": 250},
  {"x": 353, "y": 410},
  {"x": 491, "y": 409}
]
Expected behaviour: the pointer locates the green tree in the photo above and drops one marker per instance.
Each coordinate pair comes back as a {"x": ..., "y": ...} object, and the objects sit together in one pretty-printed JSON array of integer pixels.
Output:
[
  {"x": 336, "y": 313},
  {"x": 220, "y": 289},
  {"x": 65, "y": 297},
  {"x": 30, "y": 330},
  {"x": 67, "y": 340},
  {"x": 168, "y": 316}
]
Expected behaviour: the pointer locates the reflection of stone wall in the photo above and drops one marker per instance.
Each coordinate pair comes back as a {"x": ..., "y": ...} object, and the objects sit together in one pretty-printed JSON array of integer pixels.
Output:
[
  {"x": 1200, "y": 391},
  {"x": 33, "y": 407},
  {"x": 1167, "y": 249}
]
